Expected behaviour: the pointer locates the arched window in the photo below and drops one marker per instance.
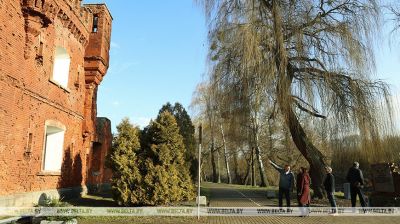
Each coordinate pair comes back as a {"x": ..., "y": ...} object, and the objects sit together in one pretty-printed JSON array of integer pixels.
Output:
[
  {"x": 53, "y": 146},
  {"x": 61, "y": 67}
]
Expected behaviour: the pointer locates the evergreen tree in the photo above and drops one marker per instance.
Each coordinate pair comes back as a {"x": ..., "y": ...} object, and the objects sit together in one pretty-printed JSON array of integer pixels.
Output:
[
  {"x": 167, "y": 107},
  {"x": 166, "y": 177},
  {"x": 123, "y": 160},
  {"x": 187, "y": 130}
]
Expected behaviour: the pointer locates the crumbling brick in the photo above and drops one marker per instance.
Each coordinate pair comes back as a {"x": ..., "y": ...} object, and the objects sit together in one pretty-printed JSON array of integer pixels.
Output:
[{"x": 30, "y": 30}]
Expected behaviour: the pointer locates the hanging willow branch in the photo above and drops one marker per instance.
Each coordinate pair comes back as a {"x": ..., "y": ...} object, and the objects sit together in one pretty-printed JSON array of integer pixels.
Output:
[{"x": 327, "y": 51}]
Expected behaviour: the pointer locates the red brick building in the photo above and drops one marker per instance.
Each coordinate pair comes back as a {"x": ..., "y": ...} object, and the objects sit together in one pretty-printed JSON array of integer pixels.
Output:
[{"x": 53, "y": 56}]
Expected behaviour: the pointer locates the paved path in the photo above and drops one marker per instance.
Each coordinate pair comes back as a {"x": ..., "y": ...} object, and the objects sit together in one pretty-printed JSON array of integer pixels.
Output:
[{"x": 223, "y": 195}]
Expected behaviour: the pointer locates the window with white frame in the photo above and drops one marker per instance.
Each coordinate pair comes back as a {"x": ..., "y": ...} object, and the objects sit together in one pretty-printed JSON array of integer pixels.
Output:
[
  {"x": 53, "y": 147},
  {"x": 61, "y": 67}
]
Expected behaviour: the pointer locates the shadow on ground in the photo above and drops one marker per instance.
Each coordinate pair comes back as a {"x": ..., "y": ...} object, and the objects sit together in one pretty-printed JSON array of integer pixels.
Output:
[{"x": 94, "y": 200}]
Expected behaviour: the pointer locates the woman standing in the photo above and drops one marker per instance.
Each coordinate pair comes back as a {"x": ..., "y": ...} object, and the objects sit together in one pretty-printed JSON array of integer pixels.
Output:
[
  {"x": 303, "y": 190},
  {"x": 303, "y": 187}
]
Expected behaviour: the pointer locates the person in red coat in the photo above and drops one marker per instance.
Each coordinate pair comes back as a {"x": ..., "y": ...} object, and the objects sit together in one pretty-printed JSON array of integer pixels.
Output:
[
  {"x": 303, "y": 187},
  {"x": 303, "y": 191}
]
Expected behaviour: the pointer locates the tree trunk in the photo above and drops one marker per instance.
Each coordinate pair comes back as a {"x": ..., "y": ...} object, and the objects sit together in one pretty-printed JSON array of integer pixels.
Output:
[
  {"x": 213, "y": 163},
  {"x": 270, "y": 140},
  {"x": 310, "y": 152},
  {"x": 246, "y": 177},
  {"x": 284, "y": 99},
  {"x": 253, "y": 173},
  {"x": 203, "y": 175},
  {"x": 302, "y": 142},
  {"x": 218, "y": 166},
  {"x": 237, "y": 179},
  {"x": 245, "y": 180},
  {"x": 228, "y": 173},
  {"x": 261, "y": 168}
]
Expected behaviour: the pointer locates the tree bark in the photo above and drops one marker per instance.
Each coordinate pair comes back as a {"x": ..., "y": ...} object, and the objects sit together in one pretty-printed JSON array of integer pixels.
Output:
[
  {"x": 253, "y": 174},
  {"x": 213, "y": 163},
  {"x": 245, "y": 180},
  {"x": 228, "y": 173},
  {"x": 246, "y": 177},
  {"x": 310, "y": 152},
  {"x": 261, "y": 167},
  {"x": 218, "y": 166}
]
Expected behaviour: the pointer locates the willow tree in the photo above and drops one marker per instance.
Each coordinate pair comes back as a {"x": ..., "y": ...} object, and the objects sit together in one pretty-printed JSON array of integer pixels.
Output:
[
  {"x": 311, "y": 56},
  {"x": 395, "y": 11}
]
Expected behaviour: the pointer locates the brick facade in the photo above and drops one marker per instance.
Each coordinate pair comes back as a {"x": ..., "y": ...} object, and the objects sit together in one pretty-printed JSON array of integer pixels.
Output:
[{"x": 30, "y": 31}]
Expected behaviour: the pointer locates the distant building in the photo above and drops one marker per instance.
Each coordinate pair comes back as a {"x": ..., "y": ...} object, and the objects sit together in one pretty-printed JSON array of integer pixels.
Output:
[{"x": 53, "y": 56}]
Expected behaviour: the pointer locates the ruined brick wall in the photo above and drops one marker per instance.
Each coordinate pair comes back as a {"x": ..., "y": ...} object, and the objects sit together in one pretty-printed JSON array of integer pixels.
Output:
[
  {"x": 30, "y": 30},
  {"x": 98, "y": 171},
  {"x": 98, "y": 130}
]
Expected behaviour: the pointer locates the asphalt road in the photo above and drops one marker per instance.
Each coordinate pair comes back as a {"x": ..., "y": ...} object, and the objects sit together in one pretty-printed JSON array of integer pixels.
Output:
[{"x": 223, "y": 195}]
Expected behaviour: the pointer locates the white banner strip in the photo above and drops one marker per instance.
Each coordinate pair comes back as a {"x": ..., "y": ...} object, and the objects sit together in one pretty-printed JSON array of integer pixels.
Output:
[{"x": 192, "y": 211}]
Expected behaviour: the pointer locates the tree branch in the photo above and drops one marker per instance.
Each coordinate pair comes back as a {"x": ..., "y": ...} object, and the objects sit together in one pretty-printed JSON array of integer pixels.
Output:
[
  {"x": 317, "y": 18},
  {"x": 306, "y": 59},
  {"x": 313, "y": 113}
]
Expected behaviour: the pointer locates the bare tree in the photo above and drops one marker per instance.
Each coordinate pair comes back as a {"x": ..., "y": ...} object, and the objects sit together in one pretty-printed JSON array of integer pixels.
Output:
[
  {"x": 311, "y": 56},
  {"x": 236, "y": 134},
  {"x": 204, "y": 99},
  {"x": 249, "y": 99}
]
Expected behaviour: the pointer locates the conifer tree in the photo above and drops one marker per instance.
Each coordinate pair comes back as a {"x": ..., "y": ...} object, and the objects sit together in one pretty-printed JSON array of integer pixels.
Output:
[
  {"x": 167, "y": 177},
  {"x": 123, "y": 160},
  {"x": 187, "y": 130}
]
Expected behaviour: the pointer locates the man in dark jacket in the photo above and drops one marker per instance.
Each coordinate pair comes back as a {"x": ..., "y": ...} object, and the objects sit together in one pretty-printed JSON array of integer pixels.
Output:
[
  {"x": 356, "y": 180},
  {"x": 286, "y": 183},
  {"x": 329, "y": 184}
]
